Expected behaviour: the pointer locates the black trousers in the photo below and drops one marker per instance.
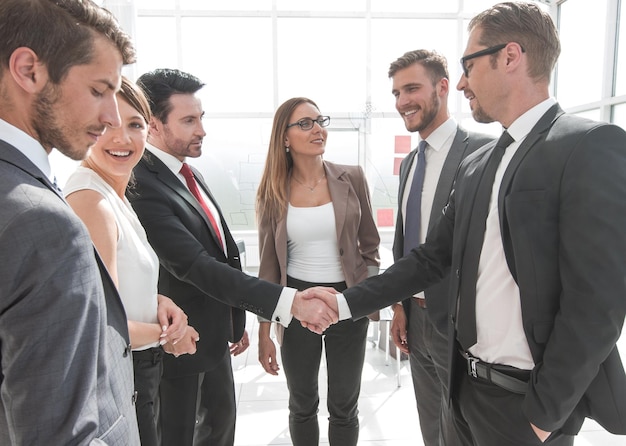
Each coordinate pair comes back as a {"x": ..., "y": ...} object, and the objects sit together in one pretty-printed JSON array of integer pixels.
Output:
[
  {"x": 488, "y": 415},
  {"x": 199, "y": 409},
  {"x": 301, "y": 353},
  {"x": 148, "y": 367}
]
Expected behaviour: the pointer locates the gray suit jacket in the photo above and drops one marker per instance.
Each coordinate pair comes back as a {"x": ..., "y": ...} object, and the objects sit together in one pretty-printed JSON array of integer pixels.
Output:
[
  {"x": 67, "y": 373},
  {"x": 464, "y": 143}
]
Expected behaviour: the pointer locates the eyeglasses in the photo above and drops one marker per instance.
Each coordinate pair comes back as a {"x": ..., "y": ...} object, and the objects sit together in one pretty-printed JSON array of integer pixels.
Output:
[
  {"x": 491, "y": 50},
  {"x": 307, "y": 123}
]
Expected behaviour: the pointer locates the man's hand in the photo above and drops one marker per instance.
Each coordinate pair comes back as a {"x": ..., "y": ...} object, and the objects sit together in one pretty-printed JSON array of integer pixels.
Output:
[
  {"x": 239, "y": 347},
  {"x": 172, "y": 319},
  {"x": 541, "y": 434},
  {"x": 316, "y": 308},
  {"x": 398, "y": 328},
  {"x": 185, "y": 345}
]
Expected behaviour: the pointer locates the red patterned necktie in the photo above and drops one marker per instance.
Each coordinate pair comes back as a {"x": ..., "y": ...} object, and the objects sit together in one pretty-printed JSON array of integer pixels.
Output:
[{"x": 193, "y": 187}]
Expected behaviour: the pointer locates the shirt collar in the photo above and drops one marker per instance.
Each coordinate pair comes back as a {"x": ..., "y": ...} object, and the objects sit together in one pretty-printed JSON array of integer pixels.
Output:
[
  {"x": 521, "y": 127},
  {"x": 172, "y": 163},
  {"x": 29, "y": 146},
  {"x": 441, "y": 134}
]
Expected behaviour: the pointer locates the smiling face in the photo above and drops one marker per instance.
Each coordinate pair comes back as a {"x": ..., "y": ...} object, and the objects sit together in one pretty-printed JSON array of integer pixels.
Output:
[
  {"x": 310, "y": 142},
  {"x": 417, "y": 100},
  {"x": 119, "y": 150},
  {"x": 72, "y": 115}
]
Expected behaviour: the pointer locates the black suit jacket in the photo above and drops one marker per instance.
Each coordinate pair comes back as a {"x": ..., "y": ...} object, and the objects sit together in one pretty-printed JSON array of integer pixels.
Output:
[
  {"x": 195, "y": 273},
  {"x": 563, "y": 215},
  {"x": 464, "y": 143}
]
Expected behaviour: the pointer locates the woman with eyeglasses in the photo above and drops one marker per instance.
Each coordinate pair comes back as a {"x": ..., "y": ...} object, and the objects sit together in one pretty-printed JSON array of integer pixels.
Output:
[
  {"x": 315, "y": 228},
  {"x": 96, "y": 192}
]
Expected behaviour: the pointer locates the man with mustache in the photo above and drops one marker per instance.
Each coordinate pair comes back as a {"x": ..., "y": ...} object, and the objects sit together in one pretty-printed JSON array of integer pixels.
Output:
[{"x": 200, "y": 268}]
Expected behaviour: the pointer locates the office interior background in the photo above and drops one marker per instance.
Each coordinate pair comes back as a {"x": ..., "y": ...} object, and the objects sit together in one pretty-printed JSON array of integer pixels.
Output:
[{"x": 255, "y": 54}]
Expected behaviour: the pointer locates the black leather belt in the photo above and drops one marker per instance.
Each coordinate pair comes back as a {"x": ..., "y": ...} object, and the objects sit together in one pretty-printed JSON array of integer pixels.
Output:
[{"x": 483, "y": 370}]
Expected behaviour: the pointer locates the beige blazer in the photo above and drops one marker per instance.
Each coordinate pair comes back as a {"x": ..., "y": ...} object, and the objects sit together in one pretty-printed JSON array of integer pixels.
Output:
[{"x": 357, "y": 234}]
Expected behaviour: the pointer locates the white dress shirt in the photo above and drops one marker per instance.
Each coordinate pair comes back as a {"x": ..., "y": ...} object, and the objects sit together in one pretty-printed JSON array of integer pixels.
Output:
[
  {"x": 500, "y": 333},
  {"x": 29, "y": 146},
  {"x": 438, "y": 146}
]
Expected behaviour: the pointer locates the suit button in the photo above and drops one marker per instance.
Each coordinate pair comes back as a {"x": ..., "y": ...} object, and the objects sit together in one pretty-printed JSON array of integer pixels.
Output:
[
  {"x": 134, "y": 399},
  {"x": 458, "y": 273},
  {"x": 341, "y": 251},
  {"x": 127, "y": 351},
  {"x": 277, "y": 318}
]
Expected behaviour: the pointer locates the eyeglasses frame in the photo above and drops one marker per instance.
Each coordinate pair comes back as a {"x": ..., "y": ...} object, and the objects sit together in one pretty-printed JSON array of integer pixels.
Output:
[
  {"x": 322, "y": 121},
  {"x": 484, "y": 52}
]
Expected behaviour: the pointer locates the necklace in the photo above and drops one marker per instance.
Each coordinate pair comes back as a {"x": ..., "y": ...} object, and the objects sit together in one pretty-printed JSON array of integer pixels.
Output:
[{"x": 311, "y": 189}]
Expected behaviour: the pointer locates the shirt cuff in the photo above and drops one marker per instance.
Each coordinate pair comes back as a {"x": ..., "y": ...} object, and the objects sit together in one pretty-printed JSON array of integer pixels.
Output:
[
  {"x": 344, "y": 309},
  {"x": 282, "y": 312}
]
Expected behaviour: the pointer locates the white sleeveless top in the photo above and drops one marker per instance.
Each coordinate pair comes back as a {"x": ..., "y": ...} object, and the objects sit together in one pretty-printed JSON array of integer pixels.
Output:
[
  {"x": 312, "y": 248},
  {"x": 137, "y": 263}
]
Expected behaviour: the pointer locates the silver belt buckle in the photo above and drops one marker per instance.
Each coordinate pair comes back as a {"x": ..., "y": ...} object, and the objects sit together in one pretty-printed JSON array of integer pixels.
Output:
[{"x": 471, "y": 365}]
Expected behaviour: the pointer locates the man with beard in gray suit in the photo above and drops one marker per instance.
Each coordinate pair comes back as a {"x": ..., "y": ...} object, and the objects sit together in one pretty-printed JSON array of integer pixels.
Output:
[
  {"x": 419, "y": 328},
  {"x": 66, "y": 374}
]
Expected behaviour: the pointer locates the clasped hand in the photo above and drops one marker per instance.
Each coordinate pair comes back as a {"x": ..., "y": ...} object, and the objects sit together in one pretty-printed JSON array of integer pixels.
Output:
[
  {"x": 316, "y": 308},
  {"x": 177, "y": 337}
]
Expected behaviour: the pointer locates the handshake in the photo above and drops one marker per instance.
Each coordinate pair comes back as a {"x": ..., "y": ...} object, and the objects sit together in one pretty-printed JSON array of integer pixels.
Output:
[{"x": 316, "y": 308}]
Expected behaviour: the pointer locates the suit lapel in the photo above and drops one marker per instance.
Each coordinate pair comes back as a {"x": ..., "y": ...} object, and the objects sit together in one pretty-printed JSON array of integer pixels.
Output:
[
  {"x": 169, "y": 179},
  {"x": 339, "y": 191},
  {"x": 15, "y": 157},
  {"x": 537, "y": 133},
  {"x": 404, "y": 173},
  {"x": 448, "y": 173}
]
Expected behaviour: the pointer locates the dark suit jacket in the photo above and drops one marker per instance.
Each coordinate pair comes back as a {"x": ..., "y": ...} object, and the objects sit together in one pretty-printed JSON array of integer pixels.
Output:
[
  {"x": 195, "y": 272},
  {"x": 67, "y": 371},
  {"x": 463, "y": 144},
  {"x": 563, "y": 215}
]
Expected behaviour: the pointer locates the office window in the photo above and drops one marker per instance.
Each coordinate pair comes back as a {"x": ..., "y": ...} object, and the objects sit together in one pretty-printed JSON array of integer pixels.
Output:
[
  {"x": 620, "y": 73},
  {"x": 391, "y": 38},
  {"x": 238, "y": 5},
  {"x": 233, "y": 56},
  {"x": 619, "y": 115},
  {"x": 327, "y": 66},
  {"x": 156, "y": 43},
  {"x": 397, "y": 6},
  {"x": 321, "y": 5},
  {"x": 582, "y": 61}
]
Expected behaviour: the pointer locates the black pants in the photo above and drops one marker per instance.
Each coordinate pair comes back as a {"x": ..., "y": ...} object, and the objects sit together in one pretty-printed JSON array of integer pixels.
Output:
[
  {"x": 199, "y": 409},
  {"x": 301, "y": 353},
  {"x": 148, "y": 367},
  {"x": 488, "y": 415}
]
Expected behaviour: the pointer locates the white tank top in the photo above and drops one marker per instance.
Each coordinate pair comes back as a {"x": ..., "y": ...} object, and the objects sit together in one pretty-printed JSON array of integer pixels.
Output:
[
  {"x": 137, "y": 263},
  {"x": 312, "y": 248}
]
